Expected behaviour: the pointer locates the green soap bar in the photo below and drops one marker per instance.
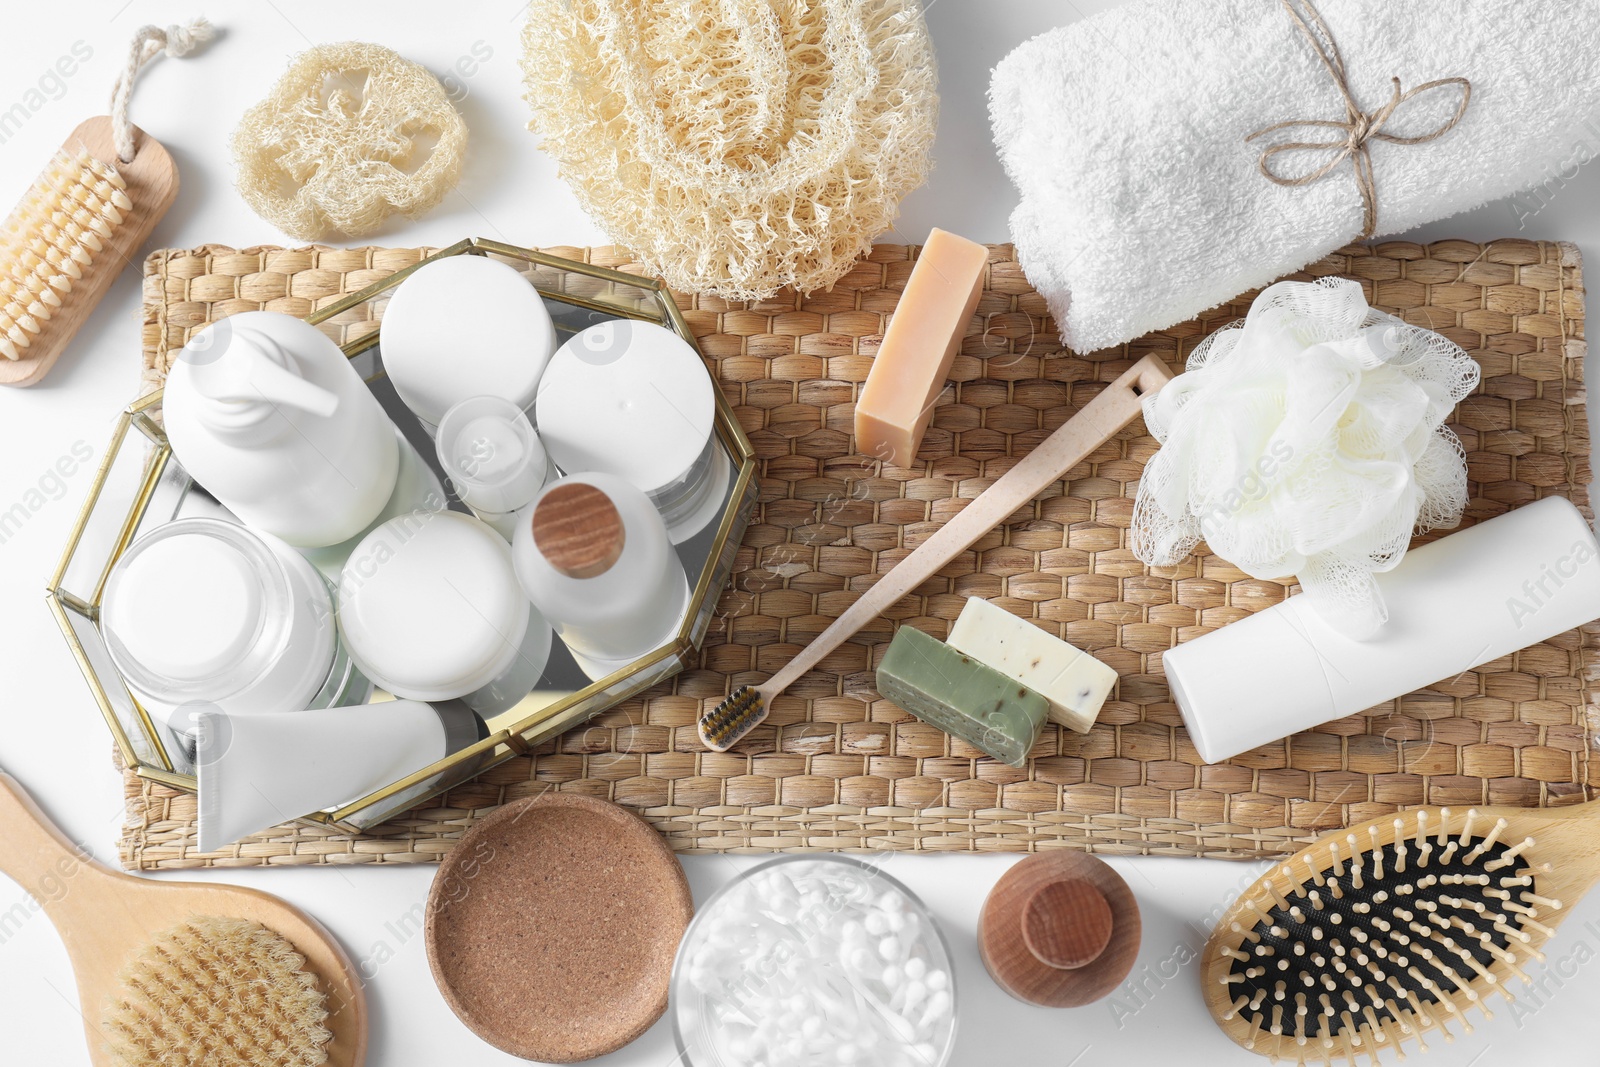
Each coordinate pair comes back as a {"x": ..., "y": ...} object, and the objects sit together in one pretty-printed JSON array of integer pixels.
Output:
[{"x": 961, "y": 696}]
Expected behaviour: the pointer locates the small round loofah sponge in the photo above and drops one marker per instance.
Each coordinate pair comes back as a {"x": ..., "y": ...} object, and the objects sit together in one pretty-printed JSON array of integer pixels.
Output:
[
  {"x": 1308, "y": 439},
  {"x": 350, "y": 134},
  {"x": 218, "y": 992},
  {"x": 736, "y": 146}
]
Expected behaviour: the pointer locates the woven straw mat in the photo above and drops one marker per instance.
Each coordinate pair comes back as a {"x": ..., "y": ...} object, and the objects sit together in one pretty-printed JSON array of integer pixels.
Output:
[{"x": 837, "y": 766}]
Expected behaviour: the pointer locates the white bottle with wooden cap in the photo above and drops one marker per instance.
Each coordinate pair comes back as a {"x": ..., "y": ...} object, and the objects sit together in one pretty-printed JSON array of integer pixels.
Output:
[{"x": 593, "y": 555}]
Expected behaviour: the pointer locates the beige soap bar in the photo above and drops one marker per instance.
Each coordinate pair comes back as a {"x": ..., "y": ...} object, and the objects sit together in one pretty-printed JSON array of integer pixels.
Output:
[
  {"x": 896, "y": 403},
  {"x": 1074, "y": 682}
]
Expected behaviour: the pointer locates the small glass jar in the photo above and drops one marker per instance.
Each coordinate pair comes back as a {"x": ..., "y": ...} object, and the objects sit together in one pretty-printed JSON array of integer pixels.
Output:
[
  {"x": 493, "y": 458},
  {"x": 430, "y": 610},
  {"x": 594, "y": 557},
  {"x": 205, "y": 613}
]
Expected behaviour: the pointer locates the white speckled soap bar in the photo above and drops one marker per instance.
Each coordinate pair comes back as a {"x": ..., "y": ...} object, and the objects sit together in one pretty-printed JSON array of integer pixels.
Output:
[{"x": 1075, "y": 683}]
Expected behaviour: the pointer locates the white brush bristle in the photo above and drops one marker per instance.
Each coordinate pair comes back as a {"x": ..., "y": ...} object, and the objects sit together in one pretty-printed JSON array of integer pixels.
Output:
[
  {"x": 217, "y": 991},
  {"x": 62, "y": 222}
]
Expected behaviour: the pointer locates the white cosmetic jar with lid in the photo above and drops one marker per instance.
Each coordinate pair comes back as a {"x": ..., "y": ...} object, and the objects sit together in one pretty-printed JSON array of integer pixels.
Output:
[
  {"x": 206, "y": 612},
  {"x": 633, "y": 399},
  {"x": 465, "y": 326},
  {"x": 430, "y": 610},
  {"x": 493, "y": 458},
  {"x": 593, "y": 556}
]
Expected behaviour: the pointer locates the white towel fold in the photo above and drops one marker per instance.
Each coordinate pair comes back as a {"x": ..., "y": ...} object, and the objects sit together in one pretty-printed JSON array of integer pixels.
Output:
[{"x": 1141, "y": 202}]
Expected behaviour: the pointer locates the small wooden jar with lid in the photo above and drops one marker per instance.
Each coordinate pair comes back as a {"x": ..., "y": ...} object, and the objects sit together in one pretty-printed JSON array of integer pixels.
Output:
[{"x": 1060, "y": 929}]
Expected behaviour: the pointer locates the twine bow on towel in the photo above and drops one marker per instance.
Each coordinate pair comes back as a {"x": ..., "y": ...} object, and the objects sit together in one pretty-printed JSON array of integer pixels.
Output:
[{"x": 1358, "y": 127}]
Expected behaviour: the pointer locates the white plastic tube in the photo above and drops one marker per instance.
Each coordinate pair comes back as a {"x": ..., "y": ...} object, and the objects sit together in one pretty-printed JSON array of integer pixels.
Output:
[
  {"x": 1464, "y": 600},
  {"x": 259, "y": 770}
]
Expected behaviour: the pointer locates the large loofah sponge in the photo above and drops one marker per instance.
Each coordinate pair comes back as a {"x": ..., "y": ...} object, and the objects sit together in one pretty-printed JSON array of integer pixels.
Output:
[
  {"x": 350, "y": 134},
  {"x": 736, "y": 146}
]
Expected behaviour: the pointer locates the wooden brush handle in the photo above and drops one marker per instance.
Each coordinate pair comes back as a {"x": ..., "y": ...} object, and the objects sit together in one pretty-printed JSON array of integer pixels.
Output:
[
  {"x": 105, "y": 916},
  {"x": 1095, "y": 423},
  {"x": 36, "y": 854}
]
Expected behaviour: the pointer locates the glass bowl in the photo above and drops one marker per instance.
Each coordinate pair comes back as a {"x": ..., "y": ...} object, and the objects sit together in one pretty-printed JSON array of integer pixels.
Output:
[{"x": 813, "y": 960}]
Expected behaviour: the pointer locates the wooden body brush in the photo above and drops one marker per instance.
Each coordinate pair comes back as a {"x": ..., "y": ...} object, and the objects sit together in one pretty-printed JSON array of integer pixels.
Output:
[
  {"x": 83, "y": 220},
  {"x": 68, "y": 239},
  {"x": 176, "y": 973},
  {"x": 1098, "y": 420},
  {"x": 1377, "y": 934}
]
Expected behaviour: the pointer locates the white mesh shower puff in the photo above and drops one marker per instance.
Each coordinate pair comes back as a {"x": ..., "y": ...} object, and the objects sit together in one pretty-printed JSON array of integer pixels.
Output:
[{"x": 1308, "y": 439}]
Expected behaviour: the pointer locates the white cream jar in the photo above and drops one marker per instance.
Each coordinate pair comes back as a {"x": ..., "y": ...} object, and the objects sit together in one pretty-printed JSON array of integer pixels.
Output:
[
  {"x": 633, "y": 399},
  {"x": 430, "y": 610}
]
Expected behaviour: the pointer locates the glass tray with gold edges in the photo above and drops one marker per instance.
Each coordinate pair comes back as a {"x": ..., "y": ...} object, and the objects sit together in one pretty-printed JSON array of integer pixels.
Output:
[{"x": 140, "y": 485}]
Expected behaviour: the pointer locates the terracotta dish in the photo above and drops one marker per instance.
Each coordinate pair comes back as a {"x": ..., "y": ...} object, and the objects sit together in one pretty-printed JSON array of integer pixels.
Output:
[{"x": 552, "y": 927}]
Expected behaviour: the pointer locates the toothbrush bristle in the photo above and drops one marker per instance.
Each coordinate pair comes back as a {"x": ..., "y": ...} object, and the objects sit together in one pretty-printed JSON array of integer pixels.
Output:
[
  {"x": 50, "y": 238},
  {"x": 726, "y": 724},
  {"x": 1361, "y": 944}
]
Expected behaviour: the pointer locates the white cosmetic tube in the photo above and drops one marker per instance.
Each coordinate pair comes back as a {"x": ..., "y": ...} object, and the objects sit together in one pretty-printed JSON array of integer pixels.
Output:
[
  {"x": 259, "y": 770},
  {"x": 1466, "y": 599}
]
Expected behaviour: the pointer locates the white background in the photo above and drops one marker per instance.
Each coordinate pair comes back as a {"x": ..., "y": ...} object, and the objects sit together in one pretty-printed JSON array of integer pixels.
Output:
[{"x": 51, "y": 736}]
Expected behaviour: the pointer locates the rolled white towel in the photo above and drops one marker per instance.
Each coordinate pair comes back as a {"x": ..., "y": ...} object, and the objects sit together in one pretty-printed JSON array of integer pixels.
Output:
[{"x": 1141, "y": 202}]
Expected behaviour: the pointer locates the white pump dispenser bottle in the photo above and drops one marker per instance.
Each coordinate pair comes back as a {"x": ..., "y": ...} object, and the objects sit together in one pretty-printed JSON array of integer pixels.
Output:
[{"x": 267, "y": 414}]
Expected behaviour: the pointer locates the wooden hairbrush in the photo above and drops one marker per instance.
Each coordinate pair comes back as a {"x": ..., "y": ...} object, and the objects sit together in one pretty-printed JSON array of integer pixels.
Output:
[
  {"x": 1095, "y": 423},
  {"x": 186, "y": 972},
  {"x": 1380, "y": 933}
]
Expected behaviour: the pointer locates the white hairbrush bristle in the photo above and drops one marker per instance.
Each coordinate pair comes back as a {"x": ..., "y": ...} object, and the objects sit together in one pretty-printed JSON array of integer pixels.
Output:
[{"x": 54, "y": 234}]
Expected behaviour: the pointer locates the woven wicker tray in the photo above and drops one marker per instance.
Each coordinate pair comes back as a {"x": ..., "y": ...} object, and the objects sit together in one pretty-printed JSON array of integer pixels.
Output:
[{"x": 840, "y": 768}]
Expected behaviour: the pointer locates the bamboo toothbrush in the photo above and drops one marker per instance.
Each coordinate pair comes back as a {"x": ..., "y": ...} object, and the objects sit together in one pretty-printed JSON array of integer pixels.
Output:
[
  {"x": 1382, "y": 932},
  {"x": 184, "y": 972},
  {"x": 1100, "y": 419},
  {"x": 83, "y": 220}
]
